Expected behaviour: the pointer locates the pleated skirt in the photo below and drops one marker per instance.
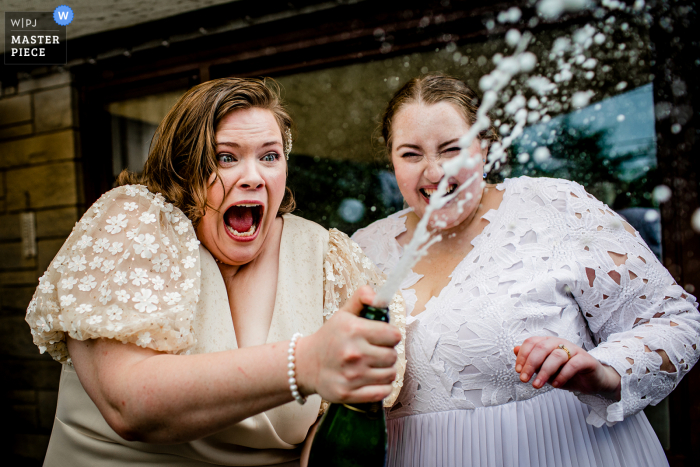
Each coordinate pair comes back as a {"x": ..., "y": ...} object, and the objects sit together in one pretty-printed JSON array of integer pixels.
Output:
[{"x": 548, "y": 430}]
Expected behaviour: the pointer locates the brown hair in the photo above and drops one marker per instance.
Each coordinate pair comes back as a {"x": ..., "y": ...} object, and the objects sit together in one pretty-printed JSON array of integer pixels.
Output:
[
  {"x": 183, "y": 151},
  {"x": 431, "y": 89}
]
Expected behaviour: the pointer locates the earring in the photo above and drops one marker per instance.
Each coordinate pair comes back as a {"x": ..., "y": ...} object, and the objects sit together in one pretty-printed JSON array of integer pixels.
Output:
[{"x": 484, "y": 161}]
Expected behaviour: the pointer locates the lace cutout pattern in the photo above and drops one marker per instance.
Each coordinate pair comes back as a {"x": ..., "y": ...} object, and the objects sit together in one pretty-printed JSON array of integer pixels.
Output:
[
  {"x": 128, "y": 271},
  {"x": 552, "y": 261}
]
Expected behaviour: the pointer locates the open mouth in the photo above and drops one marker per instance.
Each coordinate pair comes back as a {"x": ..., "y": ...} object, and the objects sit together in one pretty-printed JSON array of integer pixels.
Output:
[
  {"x": 243, "y": 220},
  {"x": 428, "y": 192}
]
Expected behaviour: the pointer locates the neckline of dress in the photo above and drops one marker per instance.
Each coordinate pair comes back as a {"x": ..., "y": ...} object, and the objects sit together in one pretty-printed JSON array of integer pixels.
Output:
[{"x": 494, "y": 218}]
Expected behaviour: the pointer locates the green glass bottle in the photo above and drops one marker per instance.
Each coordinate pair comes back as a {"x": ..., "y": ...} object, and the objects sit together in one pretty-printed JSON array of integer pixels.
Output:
[{"x": 352, "y": 435}]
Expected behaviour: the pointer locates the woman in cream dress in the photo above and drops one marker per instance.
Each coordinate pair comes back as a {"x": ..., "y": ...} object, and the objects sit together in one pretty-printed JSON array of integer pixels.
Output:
[
  {"x": 539, "y": 327},
  {"x": 172, "y": 303}
]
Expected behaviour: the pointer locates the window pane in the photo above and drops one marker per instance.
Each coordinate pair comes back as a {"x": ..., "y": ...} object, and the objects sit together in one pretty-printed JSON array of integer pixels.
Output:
[
  {"x": 610, "y": 148},
  {"x": 338, "y": 110},
  {"x": 134, "y": 123}
]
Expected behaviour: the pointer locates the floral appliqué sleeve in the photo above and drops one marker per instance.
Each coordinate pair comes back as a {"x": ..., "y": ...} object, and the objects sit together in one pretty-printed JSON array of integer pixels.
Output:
[
  {"x": 633, "y": 307},
  {"x": 346, "y": 269},
  {"x": 129, "y": 271}
]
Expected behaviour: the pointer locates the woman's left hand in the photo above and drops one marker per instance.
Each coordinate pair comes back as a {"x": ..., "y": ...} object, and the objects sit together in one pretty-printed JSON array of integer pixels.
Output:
[{"x": 576, "y": 370}]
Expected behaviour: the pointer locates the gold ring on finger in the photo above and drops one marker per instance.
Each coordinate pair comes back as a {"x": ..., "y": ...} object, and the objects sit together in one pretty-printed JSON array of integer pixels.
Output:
[{"x": 561, "y": 346}]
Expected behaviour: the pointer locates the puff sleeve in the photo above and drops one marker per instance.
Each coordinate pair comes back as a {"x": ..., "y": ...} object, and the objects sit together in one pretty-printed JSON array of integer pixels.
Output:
[
  {"x": 633, "y": 309},
  {"x": 346, "y": 268},
  {"x": 129, "y": 271}
]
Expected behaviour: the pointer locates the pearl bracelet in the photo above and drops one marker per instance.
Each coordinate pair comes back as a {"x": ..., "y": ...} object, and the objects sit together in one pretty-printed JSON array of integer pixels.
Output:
[{"x": 292, "y": 373}]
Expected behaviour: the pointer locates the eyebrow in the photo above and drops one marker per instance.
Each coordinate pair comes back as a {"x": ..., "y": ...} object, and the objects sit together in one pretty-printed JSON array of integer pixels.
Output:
[
  {"x": 236, "y": 145},
  {"x": 447, "y": 143},
  {"x": 410, "y": 146},
  {"x": 442, "y": 146}
]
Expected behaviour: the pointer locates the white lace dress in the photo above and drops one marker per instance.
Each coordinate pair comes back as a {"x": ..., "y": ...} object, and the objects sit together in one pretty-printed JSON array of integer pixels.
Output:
[{"x": 463, "y": 404}]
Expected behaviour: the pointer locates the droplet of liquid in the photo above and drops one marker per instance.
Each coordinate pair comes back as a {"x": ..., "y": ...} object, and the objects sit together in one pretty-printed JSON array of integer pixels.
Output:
[
  {"x": 652, "y": 215},
  {"x": 581, "y": 99},
  {"x": 541, "y": 154},
  {"x": 513, "y": 37},
  {"x": 661, "y": 194},
  {"x": 695, "y": 220}
]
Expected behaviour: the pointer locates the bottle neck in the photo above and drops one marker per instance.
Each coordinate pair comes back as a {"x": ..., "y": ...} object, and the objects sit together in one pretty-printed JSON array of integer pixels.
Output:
[
  {"x": 375, "y": 313},
  {"x": 371, "y": 410}
]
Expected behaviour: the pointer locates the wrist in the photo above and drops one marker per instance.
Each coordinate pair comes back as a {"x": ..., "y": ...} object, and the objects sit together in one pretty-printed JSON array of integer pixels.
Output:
[
  {"x": 613, "y": 386},
  {"x": 304, "y": 363},
  {"x": 291, "y": 369}
]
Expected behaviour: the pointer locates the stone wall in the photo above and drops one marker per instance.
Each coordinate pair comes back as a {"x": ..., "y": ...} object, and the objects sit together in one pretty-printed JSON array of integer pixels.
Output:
[{"x": 39, "y": 172}]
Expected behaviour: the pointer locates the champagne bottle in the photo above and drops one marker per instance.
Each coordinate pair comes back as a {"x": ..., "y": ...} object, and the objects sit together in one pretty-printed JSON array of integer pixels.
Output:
[{"x": 352, "y": 435}]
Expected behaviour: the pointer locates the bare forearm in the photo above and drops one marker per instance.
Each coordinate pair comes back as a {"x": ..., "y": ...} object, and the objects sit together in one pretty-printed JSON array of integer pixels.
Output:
[
  {"x": 158, "y": 398},
  {"x": 162, "y": 398}
]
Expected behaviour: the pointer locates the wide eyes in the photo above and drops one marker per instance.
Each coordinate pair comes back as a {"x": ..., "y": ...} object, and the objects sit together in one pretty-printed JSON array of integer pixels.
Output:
[
  {"x": 228, "y": 158},
  {"x": 225, "y": 158},
  {"x": 270, "y": 157}
]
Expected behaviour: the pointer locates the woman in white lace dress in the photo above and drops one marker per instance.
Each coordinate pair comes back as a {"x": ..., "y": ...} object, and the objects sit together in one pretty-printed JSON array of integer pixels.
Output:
[
  {"x": 538, "y": 328},
  {"x": 182, "y": 354}
]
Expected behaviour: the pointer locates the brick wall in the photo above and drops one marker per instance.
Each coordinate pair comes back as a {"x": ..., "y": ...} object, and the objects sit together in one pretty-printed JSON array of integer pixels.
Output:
[{"x": 39, "y": 172}]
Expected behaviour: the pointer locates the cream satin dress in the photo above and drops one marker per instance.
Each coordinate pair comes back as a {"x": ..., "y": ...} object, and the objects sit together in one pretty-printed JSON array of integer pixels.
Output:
[{"x": 318, "y": 271}]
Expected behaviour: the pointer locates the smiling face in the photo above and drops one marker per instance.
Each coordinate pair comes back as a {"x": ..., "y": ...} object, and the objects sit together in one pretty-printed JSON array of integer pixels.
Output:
[
  {"x": 423, "y": 136},
  {"x": 253, "y": 170}
]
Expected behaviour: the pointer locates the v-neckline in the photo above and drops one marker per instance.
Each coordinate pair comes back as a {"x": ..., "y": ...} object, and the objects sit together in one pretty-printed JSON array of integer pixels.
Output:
[
  {"x": 436, "y": 298},
  {"x": 277, "y": 283},
  {"x": 274, "y": 303},
  {"x": 303, "y": 248}
]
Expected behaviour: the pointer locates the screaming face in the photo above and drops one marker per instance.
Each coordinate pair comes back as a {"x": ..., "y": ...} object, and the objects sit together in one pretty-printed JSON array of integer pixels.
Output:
[{"x": 253, "y": 172}]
